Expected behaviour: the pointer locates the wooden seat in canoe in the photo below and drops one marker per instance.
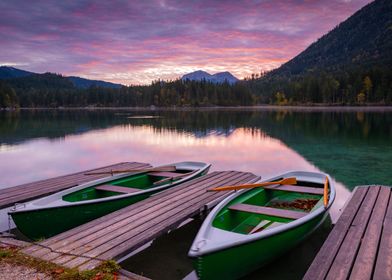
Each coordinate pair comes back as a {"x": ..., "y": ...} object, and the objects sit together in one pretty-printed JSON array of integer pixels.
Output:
[
  {"x": 118, "y": 189},
  {"x": 166, "y": 174},
  {"x": 297, "y": 189},
  {"x": 269, "y": 211}
]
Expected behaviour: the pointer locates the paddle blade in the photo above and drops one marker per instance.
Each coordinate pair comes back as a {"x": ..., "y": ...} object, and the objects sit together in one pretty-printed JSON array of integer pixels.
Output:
[
  {"x": 326, "y": 192},
  {"x": 288, "y": 181}
]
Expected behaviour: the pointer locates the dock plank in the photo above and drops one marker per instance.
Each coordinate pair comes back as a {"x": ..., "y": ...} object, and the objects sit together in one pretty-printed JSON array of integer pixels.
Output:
[
  {"x": 118, "y": 220},
  {"x": 115, "y": 235},
  {"x": 29, "y": 191},
  {"x": 364, "y": 262},
  {"x": 138, "y": 223},
  {"x": 94, "y": 226},
  {"x": 344, "y": 260},
  {"x": 383, "y": 267},
  {"x": 320, "y": 266},
  {"x": 360, "y": 244},
  {"x": 122, "y": 249},
  {"x": 51, "y": 182}
]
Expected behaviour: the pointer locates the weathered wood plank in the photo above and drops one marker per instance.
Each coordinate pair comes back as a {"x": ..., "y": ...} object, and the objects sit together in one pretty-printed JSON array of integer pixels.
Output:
[
  {"x": 123, "y": 246},
  {"x": 130, "y": 275},
  {"x": 269, "y": 211},
  {"x": 365, "y": 260},
  {"x": 340, "y": 268},
  {"x": 91, "y": 228},
  {"x": 38, "y": 189},
  {"x": 48, "y": 182},
  {"x": 57, "y": 182},
  {"x": 136, "y": 226},
  {"x": 136, "y": 222},
  {"x": 383, "y": 267},
  {"x": 323, "y": 261},
  {"x": 122, "y": 231},
  {"x": 115, "y": 216},
  {"x": 65, "y": 179}
]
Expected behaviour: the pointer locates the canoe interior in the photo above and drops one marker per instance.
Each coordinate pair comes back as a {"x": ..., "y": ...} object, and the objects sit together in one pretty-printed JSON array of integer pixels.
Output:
[
  {"x": 140, "y": 181},
  {"x": 245, "y": 222}
]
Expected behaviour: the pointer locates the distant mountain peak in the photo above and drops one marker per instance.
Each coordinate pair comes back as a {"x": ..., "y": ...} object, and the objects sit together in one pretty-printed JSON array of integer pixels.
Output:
[
  {"x": 7, "y": 72},
  {"x": 218, "y": 78}
]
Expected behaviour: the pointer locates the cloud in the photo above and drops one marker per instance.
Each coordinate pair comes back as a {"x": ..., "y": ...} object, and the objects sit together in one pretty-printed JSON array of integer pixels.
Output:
[{"x": 138, "y": 41}]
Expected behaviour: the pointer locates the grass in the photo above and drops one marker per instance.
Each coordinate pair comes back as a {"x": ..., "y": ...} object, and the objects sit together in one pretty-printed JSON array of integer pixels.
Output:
[{"x": 108, "y": 270}]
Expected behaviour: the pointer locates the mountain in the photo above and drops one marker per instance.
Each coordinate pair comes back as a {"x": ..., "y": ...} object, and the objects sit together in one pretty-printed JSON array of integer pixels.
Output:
[
  {"x": 86, "y": 83},
  {"x": 7, "y": 72},
  {"x": 11, "y": 72},
  {"x": 218, "y": 78},
  {"x": 364, "y": 39},
  {"x": 225, "y": 76}
]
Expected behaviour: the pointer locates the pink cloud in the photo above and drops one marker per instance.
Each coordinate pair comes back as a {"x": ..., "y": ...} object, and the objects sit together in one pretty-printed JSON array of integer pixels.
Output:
[{"x": 139, "y": 41}]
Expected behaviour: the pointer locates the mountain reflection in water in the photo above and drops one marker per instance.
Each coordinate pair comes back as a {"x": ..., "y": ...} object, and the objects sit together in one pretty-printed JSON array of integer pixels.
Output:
[{"x": 354, "y": 147}]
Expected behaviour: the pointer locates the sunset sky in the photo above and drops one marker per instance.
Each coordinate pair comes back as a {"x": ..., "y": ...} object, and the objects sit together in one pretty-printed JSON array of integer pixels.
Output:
[{"x": 135, "y": 42}]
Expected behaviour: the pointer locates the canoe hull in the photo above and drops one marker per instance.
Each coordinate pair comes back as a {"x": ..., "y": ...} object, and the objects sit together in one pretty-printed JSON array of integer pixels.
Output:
[
  {"x": 238, "y": 261},
  {"x": 48, "y": 222},
  {"x": 243, "y": 233},
  {"x": 36, "y": 220}
]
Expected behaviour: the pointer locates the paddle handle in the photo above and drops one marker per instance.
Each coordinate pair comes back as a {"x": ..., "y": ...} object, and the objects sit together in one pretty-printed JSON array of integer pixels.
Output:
[{"x": 248, "y": 186}]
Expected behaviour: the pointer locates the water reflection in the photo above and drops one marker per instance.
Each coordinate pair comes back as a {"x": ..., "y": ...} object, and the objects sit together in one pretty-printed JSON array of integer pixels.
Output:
[
  {"x": 353, "y": 146},
  {"x": 343, "y": 144},
  {"x": 166, "y": 257}
]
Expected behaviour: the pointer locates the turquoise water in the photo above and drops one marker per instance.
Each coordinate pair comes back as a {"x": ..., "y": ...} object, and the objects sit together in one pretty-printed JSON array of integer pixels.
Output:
[{"x": 353, "y": 145}]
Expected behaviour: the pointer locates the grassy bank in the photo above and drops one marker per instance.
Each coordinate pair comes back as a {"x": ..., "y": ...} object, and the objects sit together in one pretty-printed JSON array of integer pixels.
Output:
[{"x": 11, "y": 255}]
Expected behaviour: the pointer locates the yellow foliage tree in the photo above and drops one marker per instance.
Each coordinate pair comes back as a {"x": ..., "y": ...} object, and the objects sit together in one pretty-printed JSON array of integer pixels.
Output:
[
  {"x": 281, "y": 98},
  {"x": 361, "y": 98}
]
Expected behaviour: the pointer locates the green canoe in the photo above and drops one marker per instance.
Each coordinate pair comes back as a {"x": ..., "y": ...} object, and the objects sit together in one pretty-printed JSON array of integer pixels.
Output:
[
  {"x": 51, "y": 215},
  {"x": 254, "y": 226}
]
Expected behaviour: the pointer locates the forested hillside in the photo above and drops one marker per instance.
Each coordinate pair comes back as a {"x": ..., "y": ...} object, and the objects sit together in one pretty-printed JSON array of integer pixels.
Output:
[
  {"x": 51, "y": 90},
  {"x": 351, "y": 64}
]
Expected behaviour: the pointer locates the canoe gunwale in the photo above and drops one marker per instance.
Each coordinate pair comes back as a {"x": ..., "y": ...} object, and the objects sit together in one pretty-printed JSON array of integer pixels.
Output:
[
  {"x": 240, "y": 239},
  {"x": 30, "y": 207}
]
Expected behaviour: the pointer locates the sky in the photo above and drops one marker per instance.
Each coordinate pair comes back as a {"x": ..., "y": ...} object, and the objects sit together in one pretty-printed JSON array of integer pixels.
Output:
[{"x": 136, "y": 42}]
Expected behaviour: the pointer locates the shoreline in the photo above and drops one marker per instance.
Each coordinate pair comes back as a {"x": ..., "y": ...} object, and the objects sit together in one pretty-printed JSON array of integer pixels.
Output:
[{"x": 309, "y": 108}]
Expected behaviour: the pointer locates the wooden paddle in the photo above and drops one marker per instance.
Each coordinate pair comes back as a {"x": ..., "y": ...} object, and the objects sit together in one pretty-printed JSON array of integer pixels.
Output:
[
  {"x": 168, "y": 168},
  {"x": 286, "y": 181},
  {"x": 326, "y": 198}
]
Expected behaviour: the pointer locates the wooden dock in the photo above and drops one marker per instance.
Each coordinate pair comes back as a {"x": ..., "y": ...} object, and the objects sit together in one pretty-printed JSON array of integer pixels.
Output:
[
  {"x": 9, "y": 242},
  {"x": 360, "y": 244},
  {"x": 25, "y": 192},
  {"x": 116, "y": 235}
]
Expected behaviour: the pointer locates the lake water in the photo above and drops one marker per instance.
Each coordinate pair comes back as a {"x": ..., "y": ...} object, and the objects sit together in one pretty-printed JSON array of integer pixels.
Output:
[{"x": 353, "y": 145}]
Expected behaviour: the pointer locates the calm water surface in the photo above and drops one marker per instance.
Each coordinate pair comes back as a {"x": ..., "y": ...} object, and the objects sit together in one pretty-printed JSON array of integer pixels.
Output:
[{"x": 354, "y": 146}]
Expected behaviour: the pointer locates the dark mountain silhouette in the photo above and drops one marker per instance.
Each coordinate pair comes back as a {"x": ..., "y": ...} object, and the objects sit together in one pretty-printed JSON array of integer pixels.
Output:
[
  {"x": 364, "y": 39},
  {"x": 7, "y": 72}
]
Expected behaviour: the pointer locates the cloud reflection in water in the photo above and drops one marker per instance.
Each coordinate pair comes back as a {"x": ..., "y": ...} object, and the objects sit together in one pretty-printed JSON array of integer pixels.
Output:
[{"x": 243, "y": 149}]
